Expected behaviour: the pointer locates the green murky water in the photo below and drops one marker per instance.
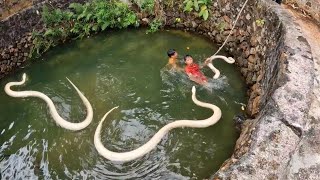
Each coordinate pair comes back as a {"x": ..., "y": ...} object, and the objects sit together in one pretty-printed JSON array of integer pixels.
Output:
[{"x": 125, "y": 69}]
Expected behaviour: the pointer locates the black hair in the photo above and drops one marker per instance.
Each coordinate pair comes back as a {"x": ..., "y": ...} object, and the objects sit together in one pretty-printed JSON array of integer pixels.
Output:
[
  {"x": 171, "y": 52},
  {"x": 186, "y": 56}
]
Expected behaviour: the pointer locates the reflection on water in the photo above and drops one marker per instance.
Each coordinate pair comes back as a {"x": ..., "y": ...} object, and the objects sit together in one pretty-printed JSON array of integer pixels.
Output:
[{"x": 119, "y": 69}]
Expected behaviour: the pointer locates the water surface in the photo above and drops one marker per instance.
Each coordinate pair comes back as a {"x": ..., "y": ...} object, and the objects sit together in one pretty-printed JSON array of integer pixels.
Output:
[{"x": 125, "y": 69}]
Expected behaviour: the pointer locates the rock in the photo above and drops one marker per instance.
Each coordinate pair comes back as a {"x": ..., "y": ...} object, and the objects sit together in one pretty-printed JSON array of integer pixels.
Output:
[
  {"x": 259, "y": 78},
  {"x": 11, "y": 50},
  {"x": 194, "y": 24},
  {"x": 145, "y": 21},
  {"x": 244, "y": 71},
  {"x": 249, "y": 78},
  {"x": 249, "y": 29},
  {"x": 170, "y": 14},
  {"x": 225, "y": 33},
  {"x": 242, "y": 39},
  {"x": 247, "y": 53},
  {"x": 29, "y": 38},
  {"x": 254, "y": 41},
  {"x": 227, "y": 19},
  {"x": 254, "y": 78},
  {"x": 218, "y": 38},
  {"x": 255, "y": 106},
  {"x": 227, "y": 7},
  {"x": 248, "y": 16},
  {"x": 253, "y": 51},
  {"x": 250, "y": 66},
  {"x": 257, "y": 68},
  {"x": 19, "y": 46},
  {"x": 239, "y": 120},
  {"x": 214, "y": 32},
  {"x": 244, "y": 45},
  {"x": 254, "y": 26},
  {"x": 252, "y": 59},
  {"x": 240, "y": 62},
  {"x": 179, "y": 25}
]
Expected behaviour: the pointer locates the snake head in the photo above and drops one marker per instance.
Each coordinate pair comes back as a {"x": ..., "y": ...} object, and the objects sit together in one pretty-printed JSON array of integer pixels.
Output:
[
  {"x": 231, "y": 60},
  {"x": 193, "y": 90},
  {"x": 24, "y": 76}
]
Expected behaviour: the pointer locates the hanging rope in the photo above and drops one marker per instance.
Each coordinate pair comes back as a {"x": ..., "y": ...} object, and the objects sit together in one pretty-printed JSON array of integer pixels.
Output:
[
  {"x": 229, "y": 60},
  {"x": 234, "y": 25}
]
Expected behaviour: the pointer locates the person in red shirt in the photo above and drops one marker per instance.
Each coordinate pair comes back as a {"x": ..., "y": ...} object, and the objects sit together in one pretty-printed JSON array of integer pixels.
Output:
[{"x": 193, "y": 70}]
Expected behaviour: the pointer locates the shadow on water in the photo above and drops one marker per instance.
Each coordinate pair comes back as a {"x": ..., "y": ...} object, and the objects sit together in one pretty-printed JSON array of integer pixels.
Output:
[{"x": 123, "y": 69}]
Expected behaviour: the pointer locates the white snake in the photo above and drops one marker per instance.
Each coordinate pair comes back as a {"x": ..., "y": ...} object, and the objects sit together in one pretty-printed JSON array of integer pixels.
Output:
[
  {"x": 59, "y": 120},
  {"x": 152, "y": 143},
  {"x": 229, "y": 60}
]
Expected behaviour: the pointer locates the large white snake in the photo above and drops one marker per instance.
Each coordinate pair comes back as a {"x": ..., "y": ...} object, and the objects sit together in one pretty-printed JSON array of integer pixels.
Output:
[
  {"x": 152, "y": 143},
  {"x": 59, "y": 120},
  {"x": 229, "y": 60}
]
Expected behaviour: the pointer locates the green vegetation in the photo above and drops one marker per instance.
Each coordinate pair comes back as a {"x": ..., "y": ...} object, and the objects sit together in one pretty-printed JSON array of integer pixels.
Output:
[
  {"x": 200, "y": 6},
  {"x": 145, "y": 5},
  {"x": 177, "y": 20},
  {"x": 148, "y": 6},
  {"x": 154, "y": 26},
  {"x": 81, "y": 20},
  {"x": 221, "y": 26},
  {"x": 168, "y": 3},
  {"x": 260, "y": 22}
]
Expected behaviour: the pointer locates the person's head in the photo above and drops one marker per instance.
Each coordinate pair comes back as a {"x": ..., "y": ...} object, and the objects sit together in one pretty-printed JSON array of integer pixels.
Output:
[
  {"x": 188, "y": 59},
  {"x": 172, "y": 53}
]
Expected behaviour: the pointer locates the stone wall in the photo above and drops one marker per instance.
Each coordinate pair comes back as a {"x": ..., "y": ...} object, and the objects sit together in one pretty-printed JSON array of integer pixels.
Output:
[
  {"x": 276, "y": 61},
  {"x": 15, "y": 34},
  {"x": 310, "y": 6}
]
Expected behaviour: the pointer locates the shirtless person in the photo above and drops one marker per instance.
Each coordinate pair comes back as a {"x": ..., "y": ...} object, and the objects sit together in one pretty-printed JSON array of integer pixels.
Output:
[
  {"x": 193, "y": 70},
  {"x": 173, "y": 60}
]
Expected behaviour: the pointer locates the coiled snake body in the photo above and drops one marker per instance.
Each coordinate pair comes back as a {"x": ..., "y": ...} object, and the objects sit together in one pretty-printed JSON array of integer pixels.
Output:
[
  {"x": 152, "y": 143},
  {"x": 229, "y": 60},
  {"x": 55, "y": 115}
]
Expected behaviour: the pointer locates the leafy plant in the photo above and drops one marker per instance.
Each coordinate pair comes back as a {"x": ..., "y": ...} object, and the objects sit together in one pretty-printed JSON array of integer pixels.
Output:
[
  {"x": 146, "y": 5},
  {"x": 81, "y": 20},
  {"x": 168, "y": 3},
  {"x": 154, "y": 26},
  {"x": 39, "y": 44},
  {"x": 200, "y": 6},
  {"x": 260, "y": 22},
  {"x": 221, "y": 26},
  {"x": 55, "y": 17}
]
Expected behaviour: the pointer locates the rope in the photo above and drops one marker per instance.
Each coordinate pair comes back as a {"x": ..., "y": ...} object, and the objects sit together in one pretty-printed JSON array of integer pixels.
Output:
[{"x": 234, "y": 25}]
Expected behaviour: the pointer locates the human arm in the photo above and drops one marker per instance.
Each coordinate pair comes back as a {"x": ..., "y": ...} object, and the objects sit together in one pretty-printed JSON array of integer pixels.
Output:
[{"x": 206, "y": 62}]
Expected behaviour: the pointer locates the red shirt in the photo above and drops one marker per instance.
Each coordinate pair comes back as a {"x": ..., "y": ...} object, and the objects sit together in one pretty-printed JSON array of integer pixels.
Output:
[{"x": 194, "y": 70}]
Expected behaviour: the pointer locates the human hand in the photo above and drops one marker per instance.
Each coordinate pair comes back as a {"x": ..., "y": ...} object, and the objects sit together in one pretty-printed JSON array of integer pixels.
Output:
[{"x": 207, "y": 61}]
